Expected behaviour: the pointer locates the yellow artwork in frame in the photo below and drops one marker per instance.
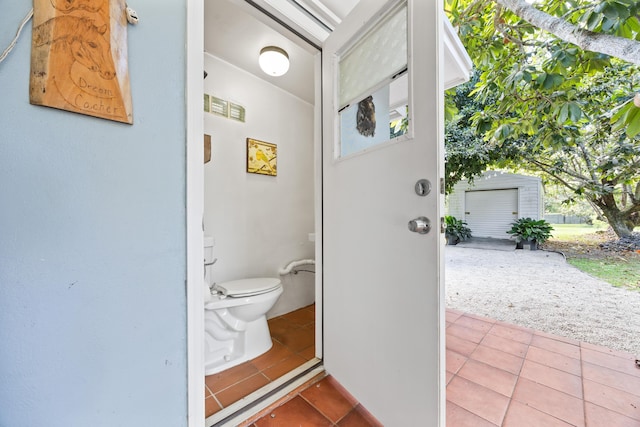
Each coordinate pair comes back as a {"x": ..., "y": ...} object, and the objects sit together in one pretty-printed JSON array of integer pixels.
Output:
[{"x": 262, "y": 157}]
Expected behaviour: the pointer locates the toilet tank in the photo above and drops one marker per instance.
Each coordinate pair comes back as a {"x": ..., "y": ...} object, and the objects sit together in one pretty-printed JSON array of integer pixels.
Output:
[{"x": 209, "y": 243}]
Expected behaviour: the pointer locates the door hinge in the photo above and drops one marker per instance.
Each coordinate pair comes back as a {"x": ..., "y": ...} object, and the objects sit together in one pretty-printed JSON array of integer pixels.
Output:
[
  {"x": 441, "y": 185},
  {"x": 443, "y": 225}
]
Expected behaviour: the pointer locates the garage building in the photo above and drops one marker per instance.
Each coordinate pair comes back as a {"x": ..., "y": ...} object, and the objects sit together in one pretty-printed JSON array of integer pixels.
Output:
[{"x": 495, "y": 200}]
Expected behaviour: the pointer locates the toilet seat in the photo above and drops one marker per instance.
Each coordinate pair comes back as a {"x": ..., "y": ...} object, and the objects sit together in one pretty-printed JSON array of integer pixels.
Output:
[{"x": 247, "y": 287}]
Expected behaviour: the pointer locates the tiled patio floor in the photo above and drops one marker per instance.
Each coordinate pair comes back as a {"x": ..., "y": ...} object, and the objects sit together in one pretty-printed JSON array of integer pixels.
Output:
[
  {"x": 505, "y": 375},
  {"x": 498, "y": 374}
]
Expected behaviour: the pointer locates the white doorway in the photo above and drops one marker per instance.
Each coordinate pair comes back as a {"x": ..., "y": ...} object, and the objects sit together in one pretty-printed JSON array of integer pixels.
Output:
[{"x": 379, "y": 270}]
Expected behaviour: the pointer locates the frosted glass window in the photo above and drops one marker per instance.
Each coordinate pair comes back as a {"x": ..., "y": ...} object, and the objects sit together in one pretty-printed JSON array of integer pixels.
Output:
[
  {"x": 374, "y": 86},
  {"x": 375, "y": 58}
]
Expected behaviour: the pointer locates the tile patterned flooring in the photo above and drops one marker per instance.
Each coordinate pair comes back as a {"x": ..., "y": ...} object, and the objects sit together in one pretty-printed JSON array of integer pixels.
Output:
[
  {"x": 504, "y": 375},
  {"x": 321, "y": 402},
  {"x": 498, "y": 375},
  {"x": 293, "y": 345}
]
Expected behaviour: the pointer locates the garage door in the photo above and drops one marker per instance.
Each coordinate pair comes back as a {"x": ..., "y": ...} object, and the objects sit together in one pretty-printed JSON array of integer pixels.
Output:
[{"x": 490, "y": 213}]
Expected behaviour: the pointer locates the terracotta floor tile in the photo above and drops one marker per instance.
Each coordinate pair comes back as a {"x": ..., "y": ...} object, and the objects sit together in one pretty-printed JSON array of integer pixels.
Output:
[
  {"x": 211, "y": 406},
  {"x": 452, "y": 316},
  {"x": 490, "y": 377},
  {"x": 283, "y": 367},
  {"x": 460, "y": 345},
  {"x": 454, "y": 361},
  {"x": 448, "y": 376},
  {"x": 498, "y": 359},
  {"x": 308, "y": 353},
  {"x": 555, "y": 403},
  {"x": 503, "y": 344},
  {"x": 598, "y": 416},
  {"x": 512, "y": 332},
  {"x": 280, "y": 327},
  {"x": 296, "y": 339},
  {"x": 465, "y": 333},
  {"x": 611, "y": 361},
  {"x": 553, "y": 378},
  {"x": 220, "y": 381},
  {"x": 613, "y": 399},
  {"x": 479, "y": 317},
  {"x": 276, "y": 354},
  {"x": 296, "y": 412},
  {"x": 554, "y": 360},
  {"x": 479, "y": 400},
  {"x": 330, "y": 398},
  {"x": 473, "y": 323},
  {"x": 241, "y": 389},
  {"x": 359, "y": 417},
  {"x": 460, "y": 417},
  {"x": 611, "y": 378},
  {"x": 556, "y": 346},
  {"x": 300, "y": 317},
  {"x": 609, "y": 351},
  {"x": 557, "y": 337},
  {"x": 520, "y": 415}
]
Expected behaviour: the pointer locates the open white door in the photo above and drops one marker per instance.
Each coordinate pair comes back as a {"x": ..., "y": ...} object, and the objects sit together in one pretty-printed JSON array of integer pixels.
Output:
[{"x": 383, "y": 285}]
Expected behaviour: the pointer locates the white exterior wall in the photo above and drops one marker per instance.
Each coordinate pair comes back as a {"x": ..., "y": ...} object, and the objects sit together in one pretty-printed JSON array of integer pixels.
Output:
[{"x": 530, "y": 193}]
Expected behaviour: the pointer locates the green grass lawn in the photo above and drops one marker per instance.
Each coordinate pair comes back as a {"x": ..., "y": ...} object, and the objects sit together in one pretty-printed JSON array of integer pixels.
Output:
[
  {"x": 580, "y": 243},
  {"x": 619, "y": 272},
  {"x": 570, "y": 231}
]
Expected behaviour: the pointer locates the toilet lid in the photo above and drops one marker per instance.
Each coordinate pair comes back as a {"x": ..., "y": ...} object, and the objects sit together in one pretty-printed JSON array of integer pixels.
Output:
[{"x": 248, "y": 287}]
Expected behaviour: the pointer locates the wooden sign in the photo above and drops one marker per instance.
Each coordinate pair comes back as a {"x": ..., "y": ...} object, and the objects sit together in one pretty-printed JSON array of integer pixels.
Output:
[{"x": 79, "y": 58}]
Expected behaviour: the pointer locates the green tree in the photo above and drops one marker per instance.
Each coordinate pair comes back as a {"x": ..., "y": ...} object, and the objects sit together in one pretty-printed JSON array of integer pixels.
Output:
[
  {"x": 467, "y": 154},
  {"x": 534, "y": 54},
  {"x": 551, "y": 106}
]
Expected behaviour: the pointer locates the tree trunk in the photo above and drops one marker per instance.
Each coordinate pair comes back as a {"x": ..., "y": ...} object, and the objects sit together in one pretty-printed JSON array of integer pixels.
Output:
[{"x": 619, "y": 223}]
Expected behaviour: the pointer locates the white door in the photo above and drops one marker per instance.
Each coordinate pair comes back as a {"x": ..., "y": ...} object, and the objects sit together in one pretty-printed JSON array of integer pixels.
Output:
[
  {"x": 490, "y": 213},
  {"x": 383, "y": 287}
]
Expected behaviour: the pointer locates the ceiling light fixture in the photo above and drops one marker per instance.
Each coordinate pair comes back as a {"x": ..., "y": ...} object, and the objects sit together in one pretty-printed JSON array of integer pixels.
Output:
[{"x": 274, "y": 61}]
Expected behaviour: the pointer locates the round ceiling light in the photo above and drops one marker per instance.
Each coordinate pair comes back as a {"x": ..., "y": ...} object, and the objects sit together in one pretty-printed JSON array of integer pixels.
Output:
[{"x": 274, "y": 61}]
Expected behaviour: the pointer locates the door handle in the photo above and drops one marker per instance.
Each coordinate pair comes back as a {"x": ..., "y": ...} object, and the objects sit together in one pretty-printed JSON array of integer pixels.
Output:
[{"x": 420, "y": 225}]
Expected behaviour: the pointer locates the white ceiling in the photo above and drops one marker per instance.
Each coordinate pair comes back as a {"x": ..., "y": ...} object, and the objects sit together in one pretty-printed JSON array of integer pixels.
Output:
[{"x": 235, "y": 32}]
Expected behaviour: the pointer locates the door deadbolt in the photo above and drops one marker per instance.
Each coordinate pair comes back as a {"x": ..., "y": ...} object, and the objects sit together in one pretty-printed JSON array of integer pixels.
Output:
[
  {"x": 423, "y": 187},
  {"x": 420, "y": 225}
]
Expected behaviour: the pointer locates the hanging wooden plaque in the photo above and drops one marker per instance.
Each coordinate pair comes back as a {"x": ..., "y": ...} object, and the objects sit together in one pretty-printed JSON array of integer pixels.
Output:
[{"x": 79, "y": 58}]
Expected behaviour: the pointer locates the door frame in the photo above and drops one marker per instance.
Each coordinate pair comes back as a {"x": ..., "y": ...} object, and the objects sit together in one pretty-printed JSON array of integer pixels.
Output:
[{"x": 194, "y": 88}]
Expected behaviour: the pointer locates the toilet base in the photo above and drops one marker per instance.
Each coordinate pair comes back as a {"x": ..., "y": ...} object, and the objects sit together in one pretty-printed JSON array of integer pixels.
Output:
[{"x": 247, "y": 345}]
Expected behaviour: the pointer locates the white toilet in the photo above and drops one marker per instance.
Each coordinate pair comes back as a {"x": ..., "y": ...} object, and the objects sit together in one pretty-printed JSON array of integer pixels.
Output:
[{"x": 236, "y": 328}]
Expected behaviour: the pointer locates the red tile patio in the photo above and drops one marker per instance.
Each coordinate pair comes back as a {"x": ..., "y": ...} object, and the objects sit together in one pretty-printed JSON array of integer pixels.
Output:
[
  {"x": 509, "y": 376},
  {"x": 498, "y": 375}
]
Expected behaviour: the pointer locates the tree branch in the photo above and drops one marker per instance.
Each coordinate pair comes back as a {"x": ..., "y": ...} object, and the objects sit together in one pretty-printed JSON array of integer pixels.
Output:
[
  {"x": 587, "y": 159},
  {"x": 547, "y": 169},
  {"x": 619, "y": 47}
]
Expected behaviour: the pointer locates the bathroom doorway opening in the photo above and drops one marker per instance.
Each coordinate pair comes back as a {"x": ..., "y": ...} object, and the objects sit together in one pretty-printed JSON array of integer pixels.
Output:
[{"x": 264, "y": 224}]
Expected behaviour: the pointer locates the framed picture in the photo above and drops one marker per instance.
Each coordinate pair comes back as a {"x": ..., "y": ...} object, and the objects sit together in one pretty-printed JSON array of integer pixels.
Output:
[{"x": 262, "y": 157}]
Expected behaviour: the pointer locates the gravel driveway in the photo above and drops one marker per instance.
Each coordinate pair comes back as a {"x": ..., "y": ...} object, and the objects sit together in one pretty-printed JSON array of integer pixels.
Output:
[{"x": 540, "y": 290}]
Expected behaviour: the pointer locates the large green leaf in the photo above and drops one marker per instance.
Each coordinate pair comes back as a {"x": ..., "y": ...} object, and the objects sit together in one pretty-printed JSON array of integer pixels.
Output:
[{"x": 633, "y": 121}]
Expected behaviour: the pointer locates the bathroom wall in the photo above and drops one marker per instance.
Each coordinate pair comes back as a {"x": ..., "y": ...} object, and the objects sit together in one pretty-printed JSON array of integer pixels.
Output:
[
  {"x": 260, "y": 223},
  {"x": 92, "y": 242}
]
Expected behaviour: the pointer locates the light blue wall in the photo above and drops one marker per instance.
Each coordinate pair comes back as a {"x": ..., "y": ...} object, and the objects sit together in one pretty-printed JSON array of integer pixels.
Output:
[{"x": 92, "y": 242}]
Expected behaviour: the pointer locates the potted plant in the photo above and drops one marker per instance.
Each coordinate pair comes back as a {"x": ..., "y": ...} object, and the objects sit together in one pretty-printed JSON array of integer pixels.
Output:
[
  {"x": 456, "y": 230},
  {"x": 534, "y": 231}
]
